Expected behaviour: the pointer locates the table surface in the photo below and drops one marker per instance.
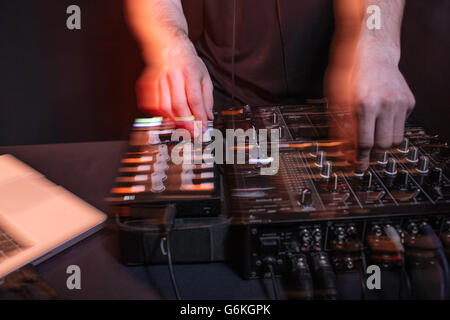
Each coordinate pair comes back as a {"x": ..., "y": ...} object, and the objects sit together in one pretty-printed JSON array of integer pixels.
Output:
[{"x": 88, "y": 170}]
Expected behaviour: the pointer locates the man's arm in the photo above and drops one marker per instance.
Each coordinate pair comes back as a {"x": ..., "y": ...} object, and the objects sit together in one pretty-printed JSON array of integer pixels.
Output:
[
  {"x": 376, "y": 90},
  {"x": 175, "y": 82}
]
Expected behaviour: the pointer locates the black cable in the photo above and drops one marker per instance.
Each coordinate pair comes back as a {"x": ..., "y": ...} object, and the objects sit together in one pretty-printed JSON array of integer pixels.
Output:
[
  {"x": 404, "y": 278},
  {"x": 233, "y": 51},
  {"x": 169, "y": 222},
  {"x": 395, "y": 237},
  {"x": 363, "y": 274},
  {"x": 274, "y": 283},
  {"x": 170, "y": 265},
  {"x": 283, "y": 53}
]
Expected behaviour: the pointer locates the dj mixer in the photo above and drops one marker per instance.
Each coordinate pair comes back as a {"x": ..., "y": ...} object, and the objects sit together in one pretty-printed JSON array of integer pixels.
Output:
[{"x": 315, "y": 215}]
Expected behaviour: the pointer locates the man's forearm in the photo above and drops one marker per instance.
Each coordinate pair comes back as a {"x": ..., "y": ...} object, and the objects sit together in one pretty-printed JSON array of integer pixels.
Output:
[
  {"x": 159, "y": 25},
  {"x": 387, "y": 38}
]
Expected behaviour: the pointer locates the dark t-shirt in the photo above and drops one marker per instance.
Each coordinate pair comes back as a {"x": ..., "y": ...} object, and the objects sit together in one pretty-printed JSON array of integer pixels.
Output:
[{"x": 281, "y": 48}]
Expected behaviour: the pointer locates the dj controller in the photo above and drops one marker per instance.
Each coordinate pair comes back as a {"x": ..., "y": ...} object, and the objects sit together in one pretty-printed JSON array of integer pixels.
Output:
[{"x": 310, "y": 216}]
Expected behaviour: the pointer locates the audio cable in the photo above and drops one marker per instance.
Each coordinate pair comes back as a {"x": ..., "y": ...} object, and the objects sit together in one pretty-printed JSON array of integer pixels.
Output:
[
  {"x": 233, "y": 53},
  {"x": 363, "y": 273},
  {"x": 269, "y": 263},
  {"x": 394, "y": 236},
  {"x": 170, "y": 217},
  {"x": 299, "y": 283},
  {"x": 439, "y": 248}
]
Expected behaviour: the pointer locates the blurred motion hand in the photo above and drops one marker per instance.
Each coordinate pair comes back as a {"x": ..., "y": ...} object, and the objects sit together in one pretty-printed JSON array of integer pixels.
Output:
[
  {"x": 383, "y": 101},
  {"x": 373, "y": 90},
  {"x": 177, "y": 85}
]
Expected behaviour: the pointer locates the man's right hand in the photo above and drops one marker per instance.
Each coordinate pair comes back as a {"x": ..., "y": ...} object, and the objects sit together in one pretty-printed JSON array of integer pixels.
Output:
[{"x": 177, "y": 85}]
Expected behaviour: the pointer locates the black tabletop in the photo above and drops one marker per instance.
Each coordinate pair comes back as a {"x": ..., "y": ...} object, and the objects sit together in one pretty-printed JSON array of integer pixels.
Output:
[{"x": 88, "y": 170}]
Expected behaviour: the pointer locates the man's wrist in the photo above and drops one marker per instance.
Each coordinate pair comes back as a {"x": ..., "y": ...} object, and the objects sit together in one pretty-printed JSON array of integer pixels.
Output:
[
  {"x": 167, "y": 47},
  {"x": 376, "y": 51}
]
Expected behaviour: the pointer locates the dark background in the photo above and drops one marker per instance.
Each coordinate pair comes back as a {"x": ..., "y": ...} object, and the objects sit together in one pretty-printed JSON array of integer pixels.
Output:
[{"x": 58, "y": 85}]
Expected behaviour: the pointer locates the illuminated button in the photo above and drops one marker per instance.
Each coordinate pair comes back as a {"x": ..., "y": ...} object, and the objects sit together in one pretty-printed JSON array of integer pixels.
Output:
[
  {"x": 198, "y": 187},
  {"x": 207, "y": 175},
  {"x": 141, "y": 177},
  {"x": 125, "y": 190}
]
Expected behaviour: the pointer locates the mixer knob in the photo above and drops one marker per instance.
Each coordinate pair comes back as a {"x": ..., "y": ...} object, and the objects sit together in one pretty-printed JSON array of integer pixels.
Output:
[
  {"x": 413, "y": 228},
  {"x": 402, "y": 178},
  {"x": 275, "y": 118},
  {"x": 376, "y": 230},
  {"x": 436, "y": 176},
  {"x": 447, "y": 225},
  {"x": 369, "y": 180},
  {"x": 351, "y": 231},
  {"x": 315, "y": 152},
  {"x": 383, "y": 158},
  {"x": 340, "y": 234},
  {"x": 326, "y": 170},
  {"x": 391, "y": 168},
  {"x": 306, "y": 236},
  {"x": 413, "y": 155},
  {"x": 424, "y": 165},
  {"x": 404, "y": 146},
  {"x": 335, "y": 182},
  {"x": 305, "y": 197},
  {"x": 317, "y": 234},
  {"x": 321, "y": 157}
]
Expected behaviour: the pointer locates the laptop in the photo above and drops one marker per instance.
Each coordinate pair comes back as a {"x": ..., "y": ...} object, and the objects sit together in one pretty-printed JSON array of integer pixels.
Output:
[{"x": 38, "y": 218}]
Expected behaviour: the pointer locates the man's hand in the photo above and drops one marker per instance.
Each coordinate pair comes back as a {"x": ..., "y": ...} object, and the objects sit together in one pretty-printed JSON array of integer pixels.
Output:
[
  {"x": 175, "y": 83},
  {"x": 177, "y": 86},
  {"x": 363, "y": 78},
  {"x": 382, "y": 101}
]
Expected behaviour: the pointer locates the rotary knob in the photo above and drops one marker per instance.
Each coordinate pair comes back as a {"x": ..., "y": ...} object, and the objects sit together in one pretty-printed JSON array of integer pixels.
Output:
[
  {"x": 326, "y": 170},
  {"x": 424, "y": 165},
  {"x": 315, "y": 152},
  {"x": 436, "y": 176},
  {"x": 413, "y": 155},
  {"x": 383, "y": 158},
  {"x": 377, "y": 231},
  {"x": 404, "y": 146},
  {"x": 321, "y": 157},
  {"x": 391, "y": 167},
  {"x": 413, "y": 229},
  {"x": 305, "y": 198},
  {"x": 402, "y": 179}
]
